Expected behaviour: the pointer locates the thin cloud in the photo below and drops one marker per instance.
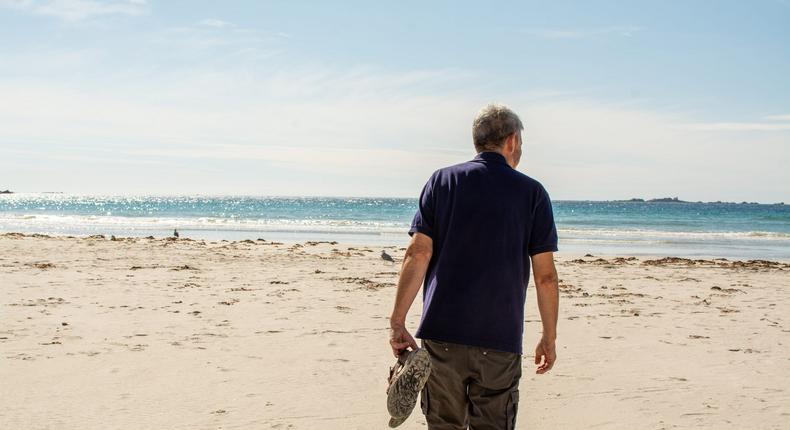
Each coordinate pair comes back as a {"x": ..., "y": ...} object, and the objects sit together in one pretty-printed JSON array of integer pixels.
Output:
[
  {"x": 78, "y": 10},
  {"x": 318, "y": 130},
  {"x": 222, "y": 38},
  {"x": 736, "y": 126},
  {"x": 216, "y": 23},
  {"x": 545, "y": 33},
  {"x": 778, "y": 117}
]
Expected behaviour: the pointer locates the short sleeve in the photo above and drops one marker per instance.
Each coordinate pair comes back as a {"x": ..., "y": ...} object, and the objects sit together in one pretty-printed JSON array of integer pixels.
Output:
[
  {"x": 423, "y": 220},
  {"x": 543, "y": 236}
]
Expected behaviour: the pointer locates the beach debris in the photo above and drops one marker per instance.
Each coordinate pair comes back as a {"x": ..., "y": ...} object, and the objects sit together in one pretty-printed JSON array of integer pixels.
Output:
[
  {"x": 49, "y": 301},
  {"x": 749, "y": 264},
  {"x": 603, "y": 261},
  {"x": 318, "y": 242},
  {"x": 282, "y": 292},
  {"x": 698, "y": 336},
  {"x": 41, "y": 265},
  {"x": 365, "y": 284},
  {"x": 228, "y": 302}
]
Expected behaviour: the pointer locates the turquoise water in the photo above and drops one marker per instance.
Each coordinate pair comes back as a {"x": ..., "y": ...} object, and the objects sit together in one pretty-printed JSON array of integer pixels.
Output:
[{"x": 641, "y": 228}]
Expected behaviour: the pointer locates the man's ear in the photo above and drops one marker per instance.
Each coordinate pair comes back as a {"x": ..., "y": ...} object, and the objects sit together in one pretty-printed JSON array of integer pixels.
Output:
[{"x": 510, "y": 144}]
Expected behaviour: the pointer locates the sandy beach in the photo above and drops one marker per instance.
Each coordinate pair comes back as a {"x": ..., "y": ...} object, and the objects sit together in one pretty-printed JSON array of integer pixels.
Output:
[{"x": 170, "y": 334}]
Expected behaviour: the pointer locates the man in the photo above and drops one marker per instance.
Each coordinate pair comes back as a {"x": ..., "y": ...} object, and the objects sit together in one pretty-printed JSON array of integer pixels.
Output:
[{"x": 477, "y": 227}]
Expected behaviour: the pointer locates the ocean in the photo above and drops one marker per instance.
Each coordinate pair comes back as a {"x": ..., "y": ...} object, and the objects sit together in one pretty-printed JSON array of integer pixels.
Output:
[{"x": 742, "y": 231}]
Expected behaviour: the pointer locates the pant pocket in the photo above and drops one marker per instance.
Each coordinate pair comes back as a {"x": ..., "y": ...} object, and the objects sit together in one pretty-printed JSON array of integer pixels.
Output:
[
  {"x": 438, "y": 345},
  {"x": 512, "y": 410}
]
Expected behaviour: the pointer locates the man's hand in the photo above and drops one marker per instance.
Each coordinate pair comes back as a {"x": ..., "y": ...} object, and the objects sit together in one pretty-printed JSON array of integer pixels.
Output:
[
  {"x": 545, "y": 355},
  {"x": 400, "y": 339}
]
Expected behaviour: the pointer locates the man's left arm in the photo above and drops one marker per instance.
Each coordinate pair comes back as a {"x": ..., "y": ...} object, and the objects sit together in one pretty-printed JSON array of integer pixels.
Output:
[{"x": 415, "y": 266}]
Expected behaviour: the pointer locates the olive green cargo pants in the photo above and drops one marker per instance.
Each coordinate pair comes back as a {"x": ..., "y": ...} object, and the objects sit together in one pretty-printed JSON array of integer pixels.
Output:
[{"x": 470, "y": 387}]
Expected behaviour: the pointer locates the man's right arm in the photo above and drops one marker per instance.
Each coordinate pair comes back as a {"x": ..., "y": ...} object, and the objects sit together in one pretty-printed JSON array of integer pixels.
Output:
[
  {"x": 415, "y": 265},
  {"x": 547, "y": 287}
]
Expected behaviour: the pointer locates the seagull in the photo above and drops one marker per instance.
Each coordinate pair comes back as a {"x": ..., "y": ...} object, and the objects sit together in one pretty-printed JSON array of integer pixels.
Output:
[
  {"x": 386, "y": 257},
  {"x": 175, "y": 233}
]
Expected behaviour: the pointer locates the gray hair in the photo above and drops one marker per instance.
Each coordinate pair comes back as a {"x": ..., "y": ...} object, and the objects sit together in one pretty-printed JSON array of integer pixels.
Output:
[{"x": 492, "y": 125}]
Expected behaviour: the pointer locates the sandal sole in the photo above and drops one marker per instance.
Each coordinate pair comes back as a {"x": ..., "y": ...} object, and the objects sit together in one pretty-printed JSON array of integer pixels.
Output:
[{"x": 402, "y": 396}]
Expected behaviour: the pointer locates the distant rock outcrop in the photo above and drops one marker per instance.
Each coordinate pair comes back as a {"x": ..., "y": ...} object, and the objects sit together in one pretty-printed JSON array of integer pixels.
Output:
[
  {"x": 677, "y": 200},
  {"x": 667, "y": 200},
  {"x": 6, "y": 192}
]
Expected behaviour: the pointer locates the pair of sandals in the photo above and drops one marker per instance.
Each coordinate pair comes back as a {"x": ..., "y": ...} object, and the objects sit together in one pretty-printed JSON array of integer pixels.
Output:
[{"x": 407, "y": 378}]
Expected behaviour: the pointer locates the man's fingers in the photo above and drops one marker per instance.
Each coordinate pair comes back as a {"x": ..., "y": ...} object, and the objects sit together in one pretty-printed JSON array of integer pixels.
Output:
[
  {"x": 400, "y": 340},
  {"x": 546, "y": 366},
  {"x": 399, "y": 345}
]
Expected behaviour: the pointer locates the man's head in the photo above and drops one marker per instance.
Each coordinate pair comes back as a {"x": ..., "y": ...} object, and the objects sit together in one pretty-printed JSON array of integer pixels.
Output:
[{"x": 497, "y": 128}]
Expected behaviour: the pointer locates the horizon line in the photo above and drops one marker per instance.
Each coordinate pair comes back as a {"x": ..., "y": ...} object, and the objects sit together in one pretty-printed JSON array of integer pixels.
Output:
[{"x": 285, "y": 196}]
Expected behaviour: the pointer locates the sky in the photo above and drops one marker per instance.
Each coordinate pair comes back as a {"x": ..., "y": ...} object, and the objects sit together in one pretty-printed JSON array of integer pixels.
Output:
[{"x": 619, "y": 99}]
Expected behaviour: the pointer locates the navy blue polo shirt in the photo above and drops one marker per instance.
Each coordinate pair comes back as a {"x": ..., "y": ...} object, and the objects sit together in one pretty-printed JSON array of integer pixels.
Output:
[{"x": 486, "y": 219}]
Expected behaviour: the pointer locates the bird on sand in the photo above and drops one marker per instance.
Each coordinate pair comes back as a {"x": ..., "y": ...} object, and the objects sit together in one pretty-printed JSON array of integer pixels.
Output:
[
  {"x": 175, "y": 233},
  {"x": 386, "y": 257}
]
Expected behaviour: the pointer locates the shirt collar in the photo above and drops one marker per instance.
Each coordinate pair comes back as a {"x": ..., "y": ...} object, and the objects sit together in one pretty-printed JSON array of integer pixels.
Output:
[{"x": 491, "y": 156}]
